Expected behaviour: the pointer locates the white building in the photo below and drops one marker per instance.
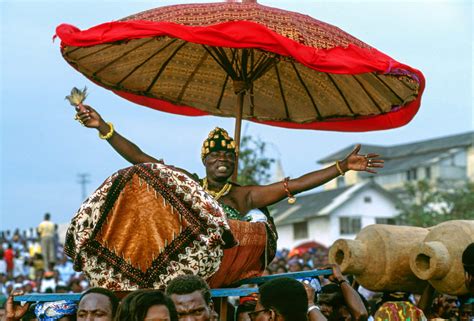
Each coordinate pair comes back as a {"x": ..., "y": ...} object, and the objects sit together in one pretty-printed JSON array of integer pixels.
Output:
[
  {"x": 329, "y": 215},
  {"x": 444, "y": 162}
]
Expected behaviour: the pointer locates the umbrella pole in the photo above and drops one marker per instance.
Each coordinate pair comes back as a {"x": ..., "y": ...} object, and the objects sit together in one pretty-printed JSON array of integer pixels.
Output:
[{"x": 238, "y": 127}]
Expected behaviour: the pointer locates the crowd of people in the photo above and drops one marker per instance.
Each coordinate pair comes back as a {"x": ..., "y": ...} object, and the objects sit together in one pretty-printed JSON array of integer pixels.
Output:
[
  {"x": 24, "y": 269},
  {"x": 33, "y": 260}
]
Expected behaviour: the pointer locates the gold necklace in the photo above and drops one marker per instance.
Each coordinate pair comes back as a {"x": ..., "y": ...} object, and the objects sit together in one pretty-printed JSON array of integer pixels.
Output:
[{"x": 217, "y": 195}]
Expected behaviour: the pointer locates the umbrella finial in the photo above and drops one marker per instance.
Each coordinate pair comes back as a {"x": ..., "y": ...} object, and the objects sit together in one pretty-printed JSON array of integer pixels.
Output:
[{"x": 242, "y": 1}]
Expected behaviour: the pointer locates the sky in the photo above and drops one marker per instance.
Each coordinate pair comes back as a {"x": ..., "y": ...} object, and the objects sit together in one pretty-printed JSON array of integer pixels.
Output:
[{"x": 43, "y": 149}]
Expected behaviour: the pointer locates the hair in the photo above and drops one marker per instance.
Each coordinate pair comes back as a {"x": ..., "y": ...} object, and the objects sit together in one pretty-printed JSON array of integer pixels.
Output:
[
  {"x": 114, "y": 301},
  {"x": 468, "y": 259},
  {"x": 134, "y": 306},
  {"x": 248, "y": 306},
  {"x": 331, "y": 294},
  {"x": 47, "y": 216},
  {"x": 275, "y": 295},
  {"x": 186, "y": 284}
]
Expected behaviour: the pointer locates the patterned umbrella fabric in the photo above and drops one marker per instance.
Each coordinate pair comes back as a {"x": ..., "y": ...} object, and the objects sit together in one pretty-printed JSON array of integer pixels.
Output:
[{"x": 288, "y": 69}]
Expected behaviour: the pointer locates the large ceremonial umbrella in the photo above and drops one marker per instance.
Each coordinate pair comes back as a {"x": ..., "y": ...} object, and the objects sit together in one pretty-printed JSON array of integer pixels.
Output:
[{"x": 283, "y": 68}]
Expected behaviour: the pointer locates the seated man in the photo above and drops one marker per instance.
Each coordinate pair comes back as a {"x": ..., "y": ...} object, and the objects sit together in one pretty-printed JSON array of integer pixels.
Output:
[
  {"x": 161, "y": 258},
  {"x": 192, "y": 297},
  {"x": 97, "y": 304}
]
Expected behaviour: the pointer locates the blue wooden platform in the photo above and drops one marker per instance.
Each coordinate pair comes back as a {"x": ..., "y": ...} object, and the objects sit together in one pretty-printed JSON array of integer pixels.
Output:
[{"x": 216, "y": 293}]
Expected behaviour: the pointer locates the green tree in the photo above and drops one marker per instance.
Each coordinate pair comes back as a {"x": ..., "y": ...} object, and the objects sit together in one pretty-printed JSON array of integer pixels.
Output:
[
  {"x": 254, "y": 164},
  {"x": 423, "y": 205},
  {"x": 459, "y": 203}
]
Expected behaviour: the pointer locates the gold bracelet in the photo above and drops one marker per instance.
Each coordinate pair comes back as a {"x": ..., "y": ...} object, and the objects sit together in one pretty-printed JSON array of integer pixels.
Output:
[
  {"x": 109, "y": 134},
  {"x": 339, "y": 169},
  {"x": 291, "y": 197}
]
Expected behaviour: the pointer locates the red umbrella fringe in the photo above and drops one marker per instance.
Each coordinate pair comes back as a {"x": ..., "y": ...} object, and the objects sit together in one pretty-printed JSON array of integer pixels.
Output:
[{"x": 244, "y": 34}]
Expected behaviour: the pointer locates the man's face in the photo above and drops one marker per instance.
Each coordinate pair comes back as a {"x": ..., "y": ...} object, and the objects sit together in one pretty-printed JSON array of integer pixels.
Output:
[
  {"x": 94, "y": 307},
  {"x": 325, "y": 304},
  {"x": 157, "y": 313},
  {"x": 447, "y": 305},
  {"x": 260, "y": 313},
  {"x": 220, "y": 164},
  {"x": 243, "y": 316},
  {"x": 326, "y": 309},
  {"x": 191, "y": 307}
]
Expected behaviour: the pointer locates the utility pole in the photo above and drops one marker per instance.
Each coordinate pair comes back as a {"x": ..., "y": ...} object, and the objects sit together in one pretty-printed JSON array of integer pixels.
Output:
[{"x": 83, "y": 180}]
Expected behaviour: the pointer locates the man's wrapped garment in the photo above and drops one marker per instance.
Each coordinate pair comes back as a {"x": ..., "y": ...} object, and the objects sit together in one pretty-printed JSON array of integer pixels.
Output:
[{"x": 149, "y": 223}]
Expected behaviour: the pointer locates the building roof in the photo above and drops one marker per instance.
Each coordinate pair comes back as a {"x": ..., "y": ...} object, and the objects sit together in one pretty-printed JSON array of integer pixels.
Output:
[
  {"x": 430, "y": 146},
  {"x": 320, "y": 203}
]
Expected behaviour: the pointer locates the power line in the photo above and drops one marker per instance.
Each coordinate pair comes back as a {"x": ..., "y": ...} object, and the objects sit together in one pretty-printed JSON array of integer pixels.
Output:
[{"x": 83, "y": 181}]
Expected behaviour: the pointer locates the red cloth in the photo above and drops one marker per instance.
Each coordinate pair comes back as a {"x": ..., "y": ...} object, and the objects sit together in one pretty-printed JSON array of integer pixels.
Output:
[
  {"x": 8, "y": 256},
  {"x": 246, "y": 34}
]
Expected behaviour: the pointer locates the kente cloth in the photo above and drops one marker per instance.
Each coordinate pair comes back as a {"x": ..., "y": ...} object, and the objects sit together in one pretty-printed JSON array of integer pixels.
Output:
[
  {"x": 256, "y": 249},
  {"x": 144, "y": 226},
  {"x": 245, "y": 260},
  {"x": 399, "y": 311}
]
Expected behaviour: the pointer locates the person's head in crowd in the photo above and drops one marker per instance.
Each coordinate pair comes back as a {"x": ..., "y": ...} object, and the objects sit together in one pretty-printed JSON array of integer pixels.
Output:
[
  {"x": 466, "y": 311},
  {"x": 306, "y": 267},
  {"x": 192, "y": 297},
  {"x": 334, "y": 306},
  {"x": 60, "y": 288},
  {"x": 274, "y": 302},
  {"x": 445, "y": 306},
  {"x": 146, "y": 304},
  {"x": 246, "y": 305},
  {"x": 56, "y": 311},
  {"x": 20, "y": 279},
  {"x": 294, "y": 265},
  {"x": 281, "y": 269},
  {"x": 75, "y": 286},
  {"x": 468, "y": 263},
  {"x": 332, "y": 303},
  {"x": 28, "y": 286},
  {"x": 97, "y": 304},
  {"x": 47, "y": 216}
]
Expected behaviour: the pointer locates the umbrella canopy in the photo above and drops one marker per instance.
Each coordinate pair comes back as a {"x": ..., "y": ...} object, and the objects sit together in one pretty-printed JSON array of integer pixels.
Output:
[{"x": 295, "y": 71}]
